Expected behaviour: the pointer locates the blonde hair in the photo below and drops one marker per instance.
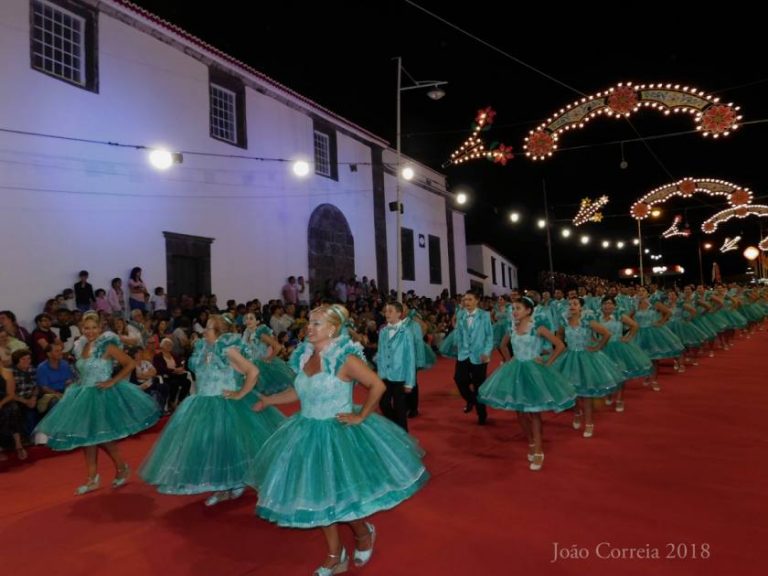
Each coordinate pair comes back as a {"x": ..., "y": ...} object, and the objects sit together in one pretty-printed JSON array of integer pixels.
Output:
[
  {"x": 221, "y": 324},
  {"x": 93, "y": 316},
  {"x": 335, "y": 314}
]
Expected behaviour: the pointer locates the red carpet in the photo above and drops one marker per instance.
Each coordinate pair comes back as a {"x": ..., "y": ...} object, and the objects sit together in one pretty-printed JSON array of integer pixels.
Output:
[{"x": 681, "y": 471}]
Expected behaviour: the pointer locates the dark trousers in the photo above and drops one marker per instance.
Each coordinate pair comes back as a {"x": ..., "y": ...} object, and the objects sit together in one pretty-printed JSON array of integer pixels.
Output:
[
  {"x": 393, "y": 403},
  {"x": 178, "y": 388},
  {"x": 468, "y": 379}
]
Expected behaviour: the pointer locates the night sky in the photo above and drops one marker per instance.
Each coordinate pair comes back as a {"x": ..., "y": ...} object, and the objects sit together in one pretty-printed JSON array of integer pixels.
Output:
[{"x": 345, "y": 63}]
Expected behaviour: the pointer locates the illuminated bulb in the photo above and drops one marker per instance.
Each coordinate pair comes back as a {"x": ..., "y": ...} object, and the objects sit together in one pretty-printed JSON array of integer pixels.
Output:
[
  {"x": 541, "y": 223},
  {"x": 461, "y": 198},
  {"x": 514, "y": 217},
  {"x": 301, "y": 168},
  {"x": 636, "y": 241},
  {"x": 161, "y": 159},
  {"x": 606, "y": 244},
  {"x": 408, "y": 173},
  {"x": 585, "y": 239},
  {"x": 566, "y": 232},
  {"x": 619, "y": 244}
]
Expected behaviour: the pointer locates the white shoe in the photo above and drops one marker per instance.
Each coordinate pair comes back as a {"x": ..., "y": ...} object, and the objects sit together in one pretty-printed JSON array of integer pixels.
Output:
[{"x": 537, "y": 462}]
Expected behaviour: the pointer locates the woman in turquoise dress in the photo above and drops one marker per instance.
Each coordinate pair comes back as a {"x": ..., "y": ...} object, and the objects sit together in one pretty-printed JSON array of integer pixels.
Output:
[
  {"x": 585, "y": 365},
  {"x": 633, "y": 362},
  {"x": 262, "y": 348},
  {"x": 331, "y": 462},
  {"x": 99, "y": 408},
  {"x": 527, "y": 384},
  {"x": 210, "y": 441},
  {"x": 449, "y": 347},
  {"x": 653, "y": 336},
  {"x": 681, "y": 324}
]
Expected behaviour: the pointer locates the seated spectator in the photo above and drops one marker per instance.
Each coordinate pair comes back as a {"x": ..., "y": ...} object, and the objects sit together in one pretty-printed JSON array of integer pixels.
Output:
[
  {"x": 65, "y": 329},
  {"x": 53, "y": 377},
  {"x": 180, "y": 337},
  {"x": 67, "y": 300},
  {"x": 171, "y": 367},
  {"x": 8, "y": 345},
  {"x": 10, "y": 422},
  {"x": 42, "y": 338},
  {"x": 129, "y": 335},
  {"x": 279, "y": 321},
  {"x": 8, "y": 321},
  {"x": 27, "y": 392},
  {"x": 145, "y": 377}
]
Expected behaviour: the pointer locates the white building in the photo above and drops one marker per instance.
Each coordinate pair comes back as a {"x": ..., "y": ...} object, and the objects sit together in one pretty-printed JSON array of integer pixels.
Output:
[
  {"x": 231, "y": 218},
  {"x": 489, "y": 271}
]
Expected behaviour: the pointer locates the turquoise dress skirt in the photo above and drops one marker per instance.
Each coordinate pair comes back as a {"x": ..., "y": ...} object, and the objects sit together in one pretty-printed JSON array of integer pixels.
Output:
[
  {"x": 210, "y": 442},
  {"x": 659, "y": 342},
  {"x": 689, "y": 333},
  {"x": 449, "y": 347},
  {"x": 87, "y": 415},
  {"x": 525, "y": 385},
  {"x": 274, "y": 376},
  {"x": 629, "y": 357},
  {"x": 592, "y": 374},
  {"x": 316, "y": 471}
]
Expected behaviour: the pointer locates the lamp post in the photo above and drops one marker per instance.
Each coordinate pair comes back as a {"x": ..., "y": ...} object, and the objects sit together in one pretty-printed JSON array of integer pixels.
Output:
[
  {"x": 435, "y": 94},
  {"x": 707, "y": 246}
]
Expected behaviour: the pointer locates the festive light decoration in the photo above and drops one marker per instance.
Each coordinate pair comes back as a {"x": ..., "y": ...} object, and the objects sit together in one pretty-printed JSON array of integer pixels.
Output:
[
  {"x": 474, "y": 147},
  {"x": 674, "y": 230},
  {"x": 710, "y": 225},
  {"x": 763, "y": 244},
  {"x": 712, "y": 118},
  {"x": 736, "y": 195},
  {"x": 590, "y": 211},
  {"x": 730, "y": 244}
]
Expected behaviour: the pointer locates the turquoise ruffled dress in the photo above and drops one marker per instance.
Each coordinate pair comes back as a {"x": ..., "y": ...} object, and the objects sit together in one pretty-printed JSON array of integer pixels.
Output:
[
  {"x": 274, "y": 375},
  {"x": 628, "y": 356},
  {"x": 683, "y": 327},
  {"x": 210, "y": 442},
  {"x": 657, "y": 341},
  {"x": 592, "y": 374},
  {"x": 88, "y": 415},
  {"x": 502, "y": 324},
  {"x": 425, "y": 356},
  {"x": 316, "y": 471},
  {"x": 525, "y": 385},
  {"x": 449, "y": 347}
]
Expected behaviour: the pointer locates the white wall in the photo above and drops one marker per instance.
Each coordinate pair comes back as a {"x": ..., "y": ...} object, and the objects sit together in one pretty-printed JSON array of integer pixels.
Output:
[
  {"x": 479, "y": 258},
  {"x": 68, "y": 206}
]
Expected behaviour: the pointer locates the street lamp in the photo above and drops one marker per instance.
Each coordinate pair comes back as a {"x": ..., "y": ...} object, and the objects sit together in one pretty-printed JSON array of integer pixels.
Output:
[
  {"x": 707, "y": 246},
  {"x": 435, "y": 93}
]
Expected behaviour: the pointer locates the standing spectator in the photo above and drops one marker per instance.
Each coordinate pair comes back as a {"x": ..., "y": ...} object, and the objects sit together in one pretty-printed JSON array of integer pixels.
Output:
[
  {"x": 341, "y": 290},
  {"x": 158, "y": 301},
  {"x": 137, "y": 291},
  {"x": 116, "y": 297},
  {"x": 102, "y": 305},
  {"x": 53, "y": 377},
  {"x": 84, "y": 296},
  {"x": 8, "y": 321},
  {"x": 291, "y": 291},
  {"x": 303, "y": 291}
]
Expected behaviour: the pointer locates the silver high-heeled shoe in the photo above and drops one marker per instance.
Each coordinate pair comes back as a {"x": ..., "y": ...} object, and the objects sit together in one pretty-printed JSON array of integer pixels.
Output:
[
  {"x": 537, "y": 462},
  {"x": 341, "y": 566},
  {"x": 92, "y": 484},
  {"x": 122, "y": 477},
  {"x": 362, "y": 557}
]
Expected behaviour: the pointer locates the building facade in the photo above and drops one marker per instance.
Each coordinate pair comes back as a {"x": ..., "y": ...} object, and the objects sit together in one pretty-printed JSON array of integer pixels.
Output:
[
  {"x": 90, "y": 87},
  {"x": 489, "y": 271}
]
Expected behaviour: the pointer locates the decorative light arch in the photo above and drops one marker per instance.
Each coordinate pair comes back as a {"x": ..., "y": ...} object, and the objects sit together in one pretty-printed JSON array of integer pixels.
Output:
[
  {"x": 711, "y": 117},
  {"x": 763, "y": 244},
  {"x": 589, "y": 211},
  {"x": 687, "y": 187},
  {"x": 474, "y": 147},
  {"x": 674, "y": 230},
  {"x": 710, "y": 225}
]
